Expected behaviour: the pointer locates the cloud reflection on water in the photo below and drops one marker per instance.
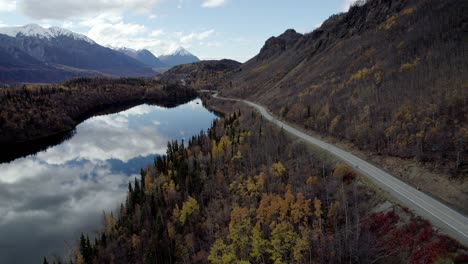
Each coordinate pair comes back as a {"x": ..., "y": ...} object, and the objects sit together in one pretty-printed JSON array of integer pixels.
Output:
[{"x": 46, "y": 200}]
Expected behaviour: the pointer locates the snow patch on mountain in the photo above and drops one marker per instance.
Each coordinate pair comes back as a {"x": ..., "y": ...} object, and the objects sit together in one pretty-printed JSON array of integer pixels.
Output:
[
  {"x": 125, "y": 49},
  {"x": 34, "y": 30},
  {"x": 180, "y": 52}
]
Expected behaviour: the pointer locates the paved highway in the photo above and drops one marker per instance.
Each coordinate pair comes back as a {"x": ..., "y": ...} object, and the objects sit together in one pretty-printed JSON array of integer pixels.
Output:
[{"x": 440, "y": 215}]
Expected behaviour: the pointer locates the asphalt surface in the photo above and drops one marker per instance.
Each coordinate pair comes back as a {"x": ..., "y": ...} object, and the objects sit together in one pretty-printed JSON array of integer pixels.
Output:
[{"x": 440, "y": 215}]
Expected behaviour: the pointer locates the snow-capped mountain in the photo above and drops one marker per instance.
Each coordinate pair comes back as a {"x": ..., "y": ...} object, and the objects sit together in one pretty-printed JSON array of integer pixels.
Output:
[
  {"x": 32, "y": 53},
  {"x": 128, "y": 51},
  {"x": 34, "y": 30},
  {"x": 181, "y": 52},
  {"x": 178, "y": 57},
  {"x": 144, "y": 56}
]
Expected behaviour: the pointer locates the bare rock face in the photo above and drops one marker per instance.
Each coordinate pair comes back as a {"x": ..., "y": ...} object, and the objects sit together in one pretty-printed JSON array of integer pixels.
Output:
[{"x": 276, "y": 45}]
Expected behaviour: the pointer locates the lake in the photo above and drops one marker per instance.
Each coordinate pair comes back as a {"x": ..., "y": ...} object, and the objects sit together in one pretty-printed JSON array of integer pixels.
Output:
[{"x": 48, "y": 199}]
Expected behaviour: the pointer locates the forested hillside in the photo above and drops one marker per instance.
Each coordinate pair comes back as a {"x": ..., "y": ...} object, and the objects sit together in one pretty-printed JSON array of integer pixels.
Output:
[
  {"x": 205, "y": 75},
  {"x": 243, "y": 192},
  {"x": 29, "y": 112},
  {"x": 389, "y": 76}
]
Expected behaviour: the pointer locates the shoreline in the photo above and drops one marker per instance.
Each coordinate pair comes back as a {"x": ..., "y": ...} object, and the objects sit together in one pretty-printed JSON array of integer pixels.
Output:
[{"x": 12, "y": 150}]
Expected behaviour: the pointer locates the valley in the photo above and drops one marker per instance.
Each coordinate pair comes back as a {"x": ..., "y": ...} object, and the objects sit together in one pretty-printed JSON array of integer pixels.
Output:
[{"x": 343, "y": 142}]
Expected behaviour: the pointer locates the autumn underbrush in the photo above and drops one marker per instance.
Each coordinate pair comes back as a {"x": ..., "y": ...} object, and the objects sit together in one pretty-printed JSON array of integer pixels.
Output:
[
  {"x": 415, "y": 241},
  {"x": 245, "y": 192}
]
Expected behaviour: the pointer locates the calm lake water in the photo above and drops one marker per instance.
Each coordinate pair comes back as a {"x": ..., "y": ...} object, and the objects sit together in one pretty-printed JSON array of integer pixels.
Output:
[{"x": 48, "y": 199}]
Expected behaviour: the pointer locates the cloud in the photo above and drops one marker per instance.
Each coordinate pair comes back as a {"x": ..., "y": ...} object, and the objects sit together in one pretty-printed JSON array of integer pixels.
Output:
[
  {"x": 63, "y": 201},
  {"x": 111, "y": 33},
  {"x": 104, "y": 18},
  {"x": 63, "y": 9},
  {"x": 46, "y": 200},
  {"x": 157, "y": 33},
  {"x": 213, "y": 3},
  {"x": 213, "y": 44},
  {"x": 67, "y": 24},
  {"x": 196, "y": 36},
  {"x": 7, "y": 6},
  {"x": 113, "y": 131},
  {"x": 111, "y": 29}
]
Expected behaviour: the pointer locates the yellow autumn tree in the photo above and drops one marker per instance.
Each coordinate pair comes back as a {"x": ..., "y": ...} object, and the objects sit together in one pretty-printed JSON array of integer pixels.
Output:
[
  {"x": 259, "y": 245},
  {"x": 277, "y": 169},
  {"x": 220, "y": 253},
  {"x": 240, "y": 230},
  {"x": 110, "y": 223},
  {"x": 224, "y": 145},
  {"x": 318, "y": 211},
  {"x": 79, "y": 257},
  {"x": 189, "y": 208},
  {"x": 283, "y": 241},
  {"x": 214, "y": 149},
  {"x": 318, "y": 208},
  {"x": 312, "y": 181},
  {"x": 300, "y": 209}
]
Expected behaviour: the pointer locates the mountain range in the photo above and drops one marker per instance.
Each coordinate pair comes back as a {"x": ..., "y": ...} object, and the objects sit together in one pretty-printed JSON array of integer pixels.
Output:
[
  {"x": 144, "y": 56},
  {"x": 33, "y": 54}
]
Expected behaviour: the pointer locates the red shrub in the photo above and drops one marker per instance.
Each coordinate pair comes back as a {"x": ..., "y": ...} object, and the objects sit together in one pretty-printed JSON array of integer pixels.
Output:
[
  {"x": 425, "y": 234},
  {"x": 382, "y": 224},
  {"x": 427, "y": 253},
  {"x": 417, "y": 239}
]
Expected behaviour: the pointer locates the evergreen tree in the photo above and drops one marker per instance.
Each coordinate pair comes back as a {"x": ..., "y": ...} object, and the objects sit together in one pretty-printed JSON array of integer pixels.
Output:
[{"x": 136, "y": 193}]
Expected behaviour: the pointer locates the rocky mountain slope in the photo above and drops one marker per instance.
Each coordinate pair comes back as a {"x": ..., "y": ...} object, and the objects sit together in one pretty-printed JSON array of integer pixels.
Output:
[
  {"x": 204, "y": 75},
  {"x": 144, "y": 56},
  {"x": 178, "y": 57},
  {"x": 36, "y": 54},
  {"x": 388, "y": 76}
]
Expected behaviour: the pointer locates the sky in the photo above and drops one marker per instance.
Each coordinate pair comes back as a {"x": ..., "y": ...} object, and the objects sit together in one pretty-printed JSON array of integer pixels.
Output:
[{"x": 210, "y": 29}]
